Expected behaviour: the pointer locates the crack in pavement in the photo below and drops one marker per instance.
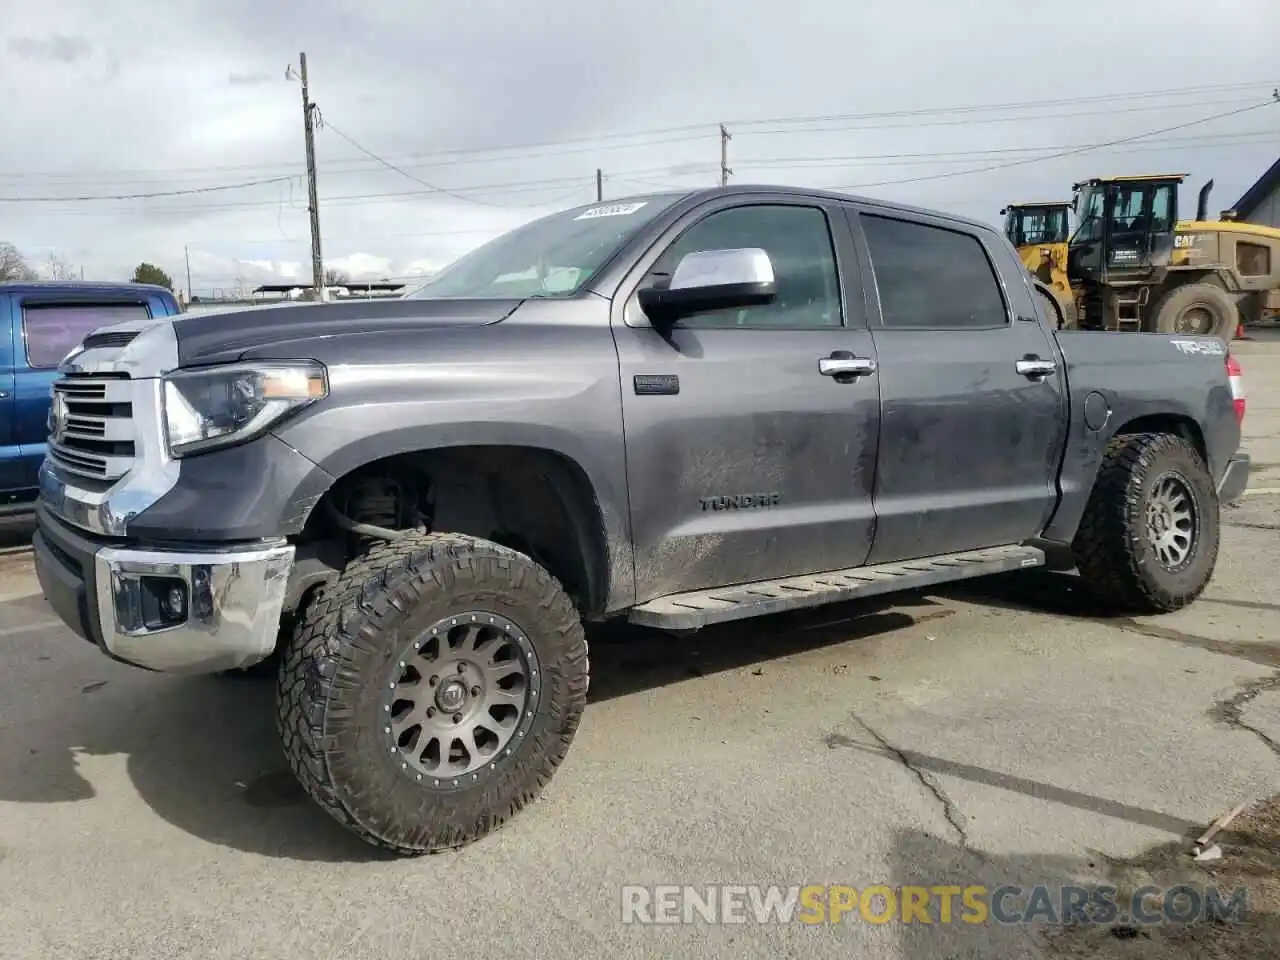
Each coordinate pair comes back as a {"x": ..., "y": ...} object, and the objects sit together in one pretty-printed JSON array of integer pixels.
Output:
[
  {"x": 1231, "y": 710},
  {"x": 955, "y": 818},
  {"x": 1250, "y": 525}
]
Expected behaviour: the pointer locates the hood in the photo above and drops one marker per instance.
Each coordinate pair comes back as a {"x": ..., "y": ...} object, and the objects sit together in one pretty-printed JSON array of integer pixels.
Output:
[{"x": 223, "y": 337}]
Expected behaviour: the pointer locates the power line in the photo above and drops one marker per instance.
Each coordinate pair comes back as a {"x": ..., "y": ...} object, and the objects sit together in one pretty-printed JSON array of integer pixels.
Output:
[
  {"x": 638, "y": 175},
  {"x": 391, "y": 166},
  {"x": 583, "y": 181},
  {"x": 709, "y": 128},
  {"x": 1067, "y": 153},
  {"x": 975, "y": 121},
  {"x": 961, "y": 156},
  {"x": 676, "y": 170},
  {"x": 143, "y": 196}
]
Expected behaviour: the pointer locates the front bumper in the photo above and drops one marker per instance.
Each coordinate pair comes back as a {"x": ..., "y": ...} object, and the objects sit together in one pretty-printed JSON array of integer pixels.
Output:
[
  {"x": 232, "y": 614},
  {"x": 1234, "y": 479}
]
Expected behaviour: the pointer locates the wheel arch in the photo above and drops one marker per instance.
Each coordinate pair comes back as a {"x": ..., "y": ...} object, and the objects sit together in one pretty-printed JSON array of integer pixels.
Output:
[
  {"x": 1177, "y": 424},
  {"x": 1077, "y": 486},
  {"x": 533, "y": 498}
]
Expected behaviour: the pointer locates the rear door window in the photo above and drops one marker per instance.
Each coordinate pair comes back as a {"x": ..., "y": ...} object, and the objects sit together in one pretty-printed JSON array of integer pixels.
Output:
[
  {"x": 931, "y": 278},
  {"x": 51, "y": 331}
]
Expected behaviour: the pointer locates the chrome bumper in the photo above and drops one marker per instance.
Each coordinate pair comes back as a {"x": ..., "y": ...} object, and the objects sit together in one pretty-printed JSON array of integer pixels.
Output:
[
  {"x": 231, "y": 599},
  {"x": 233, "y": 607}
]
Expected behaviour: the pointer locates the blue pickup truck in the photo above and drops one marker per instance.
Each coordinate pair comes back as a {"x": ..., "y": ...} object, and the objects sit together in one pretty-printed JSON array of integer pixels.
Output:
[{"x": 45, "y": 322}]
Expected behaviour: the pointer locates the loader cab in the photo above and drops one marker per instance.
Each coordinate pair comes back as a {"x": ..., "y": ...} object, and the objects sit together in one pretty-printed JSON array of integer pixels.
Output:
[
  {"x": 1040, "y": 231},
  {"x": 1125, "y": 227},
  {"x": 1036, "y": 224}
]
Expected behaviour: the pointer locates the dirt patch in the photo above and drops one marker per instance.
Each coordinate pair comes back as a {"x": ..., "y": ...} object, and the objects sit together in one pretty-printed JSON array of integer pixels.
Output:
[{"x": 1250, "y": 861}]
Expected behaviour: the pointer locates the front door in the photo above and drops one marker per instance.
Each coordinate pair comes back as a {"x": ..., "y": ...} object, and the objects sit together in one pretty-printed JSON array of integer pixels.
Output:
[
  {"x": 970, "y": 445},
  {"x": 744, "y": 461}
]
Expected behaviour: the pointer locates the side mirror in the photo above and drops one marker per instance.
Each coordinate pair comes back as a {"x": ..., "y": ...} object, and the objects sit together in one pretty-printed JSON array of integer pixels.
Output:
[{"x": 708, "y": 280}]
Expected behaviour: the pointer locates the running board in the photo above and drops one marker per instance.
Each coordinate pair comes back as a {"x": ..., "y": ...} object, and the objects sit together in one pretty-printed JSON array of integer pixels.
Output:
[{"x": 700, "y": 608}]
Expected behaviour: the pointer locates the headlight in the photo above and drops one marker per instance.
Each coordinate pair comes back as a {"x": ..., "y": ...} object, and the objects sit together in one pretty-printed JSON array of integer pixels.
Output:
[{"x": 220, "y": 406}]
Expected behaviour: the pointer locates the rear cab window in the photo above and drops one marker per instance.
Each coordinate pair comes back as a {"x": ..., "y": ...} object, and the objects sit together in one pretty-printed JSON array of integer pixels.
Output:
[
  {"x": 932, "y": 278},
  {"x": 52, "y": 330}
]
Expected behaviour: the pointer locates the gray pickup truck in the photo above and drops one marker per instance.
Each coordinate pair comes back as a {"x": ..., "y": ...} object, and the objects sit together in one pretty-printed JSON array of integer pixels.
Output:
[{"x": 679, "y": 409}]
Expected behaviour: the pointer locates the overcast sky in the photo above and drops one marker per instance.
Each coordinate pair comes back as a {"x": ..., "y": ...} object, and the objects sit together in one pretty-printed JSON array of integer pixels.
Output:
[{"x": 513, "y": 106}]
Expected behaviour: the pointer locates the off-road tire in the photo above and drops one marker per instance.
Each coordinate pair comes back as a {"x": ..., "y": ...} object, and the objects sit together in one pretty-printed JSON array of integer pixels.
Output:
[
  {"x": 1205, "y": 296},
  {"x": 1112, "y": 548},
  {"x": 334, "y": 665}
]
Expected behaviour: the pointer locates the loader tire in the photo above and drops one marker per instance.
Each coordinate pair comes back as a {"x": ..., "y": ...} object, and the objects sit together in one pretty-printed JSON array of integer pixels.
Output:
[
  {"x": 432, "y": 690},
  {"x": 1197, "y": 309},
  {"x": 1148, "y": 542}
]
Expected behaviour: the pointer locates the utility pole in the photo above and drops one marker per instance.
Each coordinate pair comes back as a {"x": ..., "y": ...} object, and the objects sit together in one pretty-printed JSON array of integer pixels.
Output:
[
  {"x": 599, "y": 184},
  {"x": 186, "y": 252},
  {"x": 724, "y": 156},
  {"x": 308, "y": 125}
]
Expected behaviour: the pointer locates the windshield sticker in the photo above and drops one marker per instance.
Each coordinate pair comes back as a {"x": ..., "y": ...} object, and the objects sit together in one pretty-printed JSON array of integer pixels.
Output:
[
  {"x": 612, "y": 210},
  {"x": 561, "y": 279}
]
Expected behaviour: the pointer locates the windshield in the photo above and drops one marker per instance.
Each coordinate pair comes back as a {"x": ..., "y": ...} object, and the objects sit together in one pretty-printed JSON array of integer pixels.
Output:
[
  {"x": 1039, "y": 225},
  {"x": 1089, "y": 210},
  {"x": 553, "y": 256}
]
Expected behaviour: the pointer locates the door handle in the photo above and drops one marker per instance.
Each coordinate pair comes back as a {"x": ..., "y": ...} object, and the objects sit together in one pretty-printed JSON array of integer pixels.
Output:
[
  {"x": 843, "y": 364},
  {"x": 1033, "y": 368}
]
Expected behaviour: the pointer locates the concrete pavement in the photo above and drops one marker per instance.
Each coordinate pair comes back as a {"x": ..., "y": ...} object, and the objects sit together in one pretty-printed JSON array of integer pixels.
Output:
[{"x": 992, "y": 733}]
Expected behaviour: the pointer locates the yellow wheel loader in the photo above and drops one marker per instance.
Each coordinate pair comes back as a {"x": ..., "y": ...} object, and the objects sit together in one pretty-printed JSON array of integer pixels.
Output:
[
  {"x": 1133, "y": 266},
  {"x": 1040, "y": 232}
]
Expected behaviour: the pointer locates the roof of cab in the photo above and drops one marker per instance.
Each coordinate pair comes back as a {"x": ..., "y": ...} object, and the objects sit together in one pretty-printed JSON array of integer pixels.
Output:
[
  {"x": 697, "y": 196},
  {"x": 1041, "y": 203},
  {"x": 1134, "y": 178},
  {"x": 84, "y": 286}
]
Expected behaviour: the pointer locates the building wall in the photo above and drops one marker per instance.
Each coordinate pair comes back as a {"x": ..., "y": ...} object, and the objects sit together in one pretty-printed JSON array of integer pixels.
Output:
[{"x": 1267, "y": 213}]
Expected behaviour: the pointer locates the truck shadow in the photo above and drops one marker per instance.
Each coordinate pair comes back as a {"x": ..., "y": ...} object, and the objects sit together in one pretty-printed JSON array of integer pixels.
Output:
[
  {"x": 1063, "y": 596},
  {"x": 15, "y": 533},
  {"x": 202, "y": 752}
]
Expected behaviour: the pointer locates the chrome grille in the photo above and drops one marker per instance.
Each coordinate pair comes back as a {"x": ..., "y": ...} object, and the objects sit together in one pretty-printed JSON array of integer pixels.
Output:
[{"x": 91, "y": 431}]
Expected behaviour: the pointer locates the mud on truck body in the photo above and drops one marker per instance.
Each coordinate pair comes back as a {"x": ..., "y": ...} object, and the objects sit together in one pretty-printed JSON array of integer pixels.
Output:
[{"x": 678, "y": 409}]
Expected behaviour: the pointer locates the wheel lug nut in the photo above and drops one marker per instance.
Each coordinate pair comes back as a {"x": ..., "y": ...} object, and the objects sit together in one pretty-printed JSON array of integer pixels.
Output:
[
  {"x": 475, "y": 691},
  {"x": 457, "y": 718},
  {"x": 462, "y": 668},
  {"x": 433, "y": 681},
  {"x": 431, "y": 711}
]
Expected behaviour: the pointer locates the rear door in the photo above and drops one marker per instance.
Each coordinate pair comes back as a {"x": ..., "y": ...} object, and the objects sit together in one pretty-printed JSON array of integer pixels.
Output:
[
  {"x": 48, "y": 326},
  {"x": 744, "y": 461},
  {"x": 971, "y": 435}
]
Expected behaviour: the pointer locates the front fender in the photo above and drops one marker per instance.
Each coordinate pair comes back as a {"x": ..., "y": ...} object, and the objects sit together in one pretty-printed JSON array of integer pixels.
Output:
[{"x": 534, "y": 390}]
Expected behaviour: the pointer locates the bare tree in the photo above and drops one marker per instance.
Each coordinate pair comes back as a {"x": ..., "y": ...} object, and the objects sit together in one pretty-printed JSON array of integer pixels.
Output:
[
  {"x": 335, "y": 278},
  {"x": 59, "y": 269},
  {"x": 13, "y": 265}
]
